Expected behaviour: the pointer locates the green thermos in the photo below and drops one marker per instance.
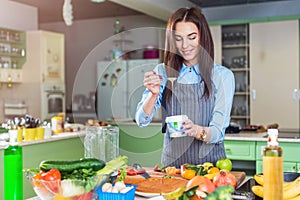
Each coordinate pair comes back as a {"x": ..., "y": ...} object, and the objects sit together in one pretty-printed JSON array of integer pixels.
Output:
[{"x": 13, "y": 172}]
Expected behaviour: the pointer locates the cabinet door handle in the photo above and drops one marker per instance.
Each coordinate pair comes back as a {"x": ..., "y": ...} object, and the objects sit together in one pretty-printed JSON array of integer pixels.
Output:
[
  {"x": 295, "y": 95},
  {"x": 254, "y": 94}
]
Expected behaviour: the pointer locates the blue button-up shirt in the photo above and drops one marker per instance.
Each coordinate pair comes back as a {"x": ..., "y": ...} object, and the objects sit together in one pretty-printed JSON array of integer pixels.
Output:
[{"x": 223, "y": 86}]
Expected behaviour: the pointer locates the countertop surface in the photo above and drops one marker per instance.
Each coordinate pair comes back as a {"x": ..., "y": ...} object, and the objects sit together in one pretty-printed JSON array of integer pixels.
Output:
[
  {"x": 56, "y": 137},
  {"x": 242, "y": 136},
  {"x": 252, "y": 136}
]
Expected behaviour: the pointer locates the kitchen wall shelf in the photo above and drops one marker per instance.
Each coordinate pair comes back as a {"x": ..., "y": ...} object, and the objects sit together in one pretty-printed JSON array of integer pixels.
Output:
[
  {"x": 235, "y": 56},
  {"x": 12, "y": 49}
]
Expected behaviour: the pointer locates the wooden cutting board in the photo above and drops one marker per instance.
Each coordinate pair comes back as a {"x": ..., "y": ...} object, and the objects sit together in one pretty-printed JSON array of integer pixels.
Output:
[{"x": 240, "y": 176}]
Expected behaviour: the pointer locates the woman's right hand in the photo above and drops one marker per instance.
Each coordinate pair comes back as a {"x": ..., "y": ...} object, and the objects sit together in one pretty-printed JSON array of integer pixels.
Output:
[{"x": 152, "y": 82}]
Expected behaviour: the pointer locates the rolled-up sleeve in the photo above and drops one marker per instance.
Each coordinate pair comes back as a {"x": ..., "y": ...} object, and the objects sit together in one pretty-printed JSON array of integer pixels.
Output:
[
  {"x": 142, "y": 119},
  {"x": 224, "y": 86}
]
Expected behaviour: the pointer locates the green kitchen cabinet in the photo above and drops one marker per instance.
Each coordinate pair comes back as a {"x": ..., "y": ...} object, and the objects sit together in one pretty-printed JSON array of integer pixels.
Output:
[
  {"x": 287, "y": 166},
  {"x": 240, "y": 150},
  {"x": 242, "y": 155},
  {"x": 291, "y": 161}
]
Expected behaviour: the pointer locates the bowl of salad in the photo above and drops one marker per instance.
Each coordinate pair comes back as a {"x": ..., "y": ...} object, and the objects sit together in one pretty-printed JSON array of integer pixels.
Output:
[{"x": 72, "y": 180}]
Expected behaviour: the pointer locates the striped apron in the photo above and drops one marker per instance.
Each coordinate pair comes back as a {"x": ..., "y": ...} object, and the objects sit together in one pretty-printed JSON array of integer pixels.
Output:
[{"x": 187, "y": 100}]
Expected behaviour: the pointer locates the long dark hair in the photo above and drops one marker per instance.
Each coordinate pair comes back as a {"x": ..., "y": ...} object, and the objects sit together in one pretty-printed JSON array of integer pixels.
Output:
[{"x": 173, "y": 60}]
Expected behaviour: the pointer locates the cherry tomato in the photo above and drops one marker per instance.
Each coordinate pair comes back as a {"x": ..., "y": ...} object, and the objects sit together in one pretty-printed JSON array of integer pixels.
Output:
[{"x": 131, "y": 172}]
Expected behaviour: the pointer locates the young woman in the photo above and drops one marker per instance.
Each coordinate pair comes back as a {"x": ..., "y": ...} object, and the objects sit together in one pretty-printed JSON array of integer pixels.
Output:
[{"x": 202, "y": 90}]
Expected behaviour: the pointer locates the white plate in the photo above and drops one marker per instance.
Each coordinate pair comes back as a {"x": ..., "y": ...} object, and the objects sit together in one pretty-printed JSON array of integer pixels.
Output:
[
  {"x": 157, "y": 198},
  {"x": 146, "y": 194}
]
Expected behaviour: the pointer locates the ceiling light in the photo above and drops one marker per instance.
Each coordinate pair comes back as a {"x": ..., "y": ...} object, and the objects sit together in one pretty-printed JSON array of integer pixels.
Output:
[
  {"x": 97, "y": 1},
  {"x": 68, "y": 12}
]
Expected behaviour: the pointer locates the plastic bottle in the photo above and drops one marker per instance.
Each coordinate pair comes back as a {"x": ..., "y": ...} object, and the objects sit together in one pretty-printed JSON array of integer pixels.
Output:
[
  {"x": 13, "y": 169},
  {"x": 273, "y": 168},
  {"x": 57, "y": 124}
]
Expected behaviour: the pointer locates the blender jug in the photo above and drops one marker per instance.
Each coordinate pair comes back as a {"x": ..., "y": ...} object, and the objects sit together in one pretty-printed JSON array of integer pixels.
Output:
[{"x": 101, "y": 142}]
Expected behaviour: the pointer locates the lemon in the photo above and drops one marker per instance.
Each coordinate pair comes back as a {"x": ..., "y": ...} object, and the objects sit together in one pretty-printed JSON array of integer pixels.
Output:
[{"x": 174, "y": 194}]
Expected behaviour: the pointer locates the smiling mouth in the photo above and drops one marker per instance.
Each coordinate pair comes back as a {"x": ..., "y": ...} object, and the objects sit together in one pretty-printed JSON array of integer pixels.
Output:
[{"x": 187, "y": 52}]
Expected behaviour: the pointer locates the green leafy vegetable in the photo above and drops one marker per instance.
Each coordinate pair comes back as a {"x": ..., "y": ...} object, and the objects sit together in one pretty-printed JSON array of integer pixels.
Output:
[
  {"x": 113, "y": 165},
  {"x": 122, "y": 175}
]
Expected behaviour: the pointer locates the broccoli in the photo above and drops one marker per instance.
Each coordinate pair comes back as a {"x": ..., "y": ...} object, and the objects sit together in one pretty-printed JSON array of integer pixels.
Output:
[{"x": 221, "y": 193}]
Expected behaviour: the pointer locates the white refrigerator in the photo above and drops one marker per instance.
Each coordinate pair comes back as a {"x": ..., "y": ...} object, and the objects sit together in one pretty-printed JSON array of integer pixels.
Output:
[{"x": 120, "y": 87}]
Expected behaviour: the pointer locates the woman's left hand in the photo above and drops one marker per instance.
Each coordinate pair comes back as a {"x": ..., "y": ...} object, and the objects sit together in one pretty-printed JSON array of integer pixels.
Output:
[{"x": 190, "y": 128}]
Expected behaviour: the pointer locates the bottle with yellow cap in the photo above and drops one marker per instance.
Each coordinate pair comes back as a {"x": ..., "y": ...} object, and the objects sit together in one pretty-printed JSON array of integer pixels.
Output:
[{"x": 273, "y": 168}]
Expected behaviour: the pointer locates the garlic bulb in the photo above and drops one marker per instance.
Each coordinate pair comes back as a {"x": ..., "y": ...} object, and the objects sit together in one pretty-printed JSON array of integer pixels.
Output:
[{"x": 68, "y": 12}]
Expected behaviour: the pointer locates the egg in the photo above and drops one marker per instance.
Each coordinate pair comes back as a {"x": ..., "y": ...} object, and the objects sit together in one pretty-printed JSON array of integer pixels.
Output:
[
  {"x": 120, "y": 185},
  {"x": 107, "y": 187},
  {"x": 114, "y": 190}
]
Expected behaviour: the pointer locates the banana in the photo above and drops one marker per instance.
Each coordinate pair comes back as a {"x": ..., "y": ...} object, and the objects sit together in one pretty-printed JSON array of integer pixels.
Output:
[
  {"x": 289, "y": 185},
  {"x": 259, "y": 178},
  {"x": 295, "y": 198},
  {"x": 258, "y": 190},
  {"x": 292, "y": 191},
  {"x": 174, "y": 194}
]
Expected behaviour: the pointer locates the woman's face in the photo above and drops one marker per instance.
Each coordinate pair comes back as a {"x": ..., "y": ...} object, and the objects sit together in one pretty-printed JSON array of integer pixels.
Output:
[{"x": 187, "y": 39}]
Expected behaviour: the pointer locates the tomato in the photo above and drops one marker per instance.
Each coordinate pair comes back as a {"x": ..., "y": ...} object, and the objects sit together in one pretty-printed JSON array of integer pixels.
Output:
[
  {"x": 204, "y": 185},
  {"x": 51, "y": 175},
  {"x": 131, "y": 172},
  {"x": 51, "y": 180}
]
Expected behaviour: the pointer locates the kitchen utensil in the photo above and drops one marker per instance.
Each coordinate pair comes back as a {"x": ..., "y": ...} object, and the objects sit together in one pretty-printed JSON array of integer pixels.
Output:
[
  {"x": 138, "y": 167},
  {"x": 102, "y": 142},
  {"x": 172, "y": 79}
]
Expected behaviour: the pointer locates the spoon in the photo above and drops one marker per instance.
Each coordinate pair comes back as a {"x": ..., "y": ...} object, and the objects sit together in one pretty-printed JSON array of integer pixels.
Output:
[{"x": 172, "y": 79}]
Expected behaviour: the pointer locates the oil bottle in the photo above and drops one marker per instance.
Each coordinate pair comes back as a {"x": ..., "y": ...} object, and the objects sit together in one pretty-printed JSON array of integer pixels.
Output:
[{"x": 273, "y": 167}]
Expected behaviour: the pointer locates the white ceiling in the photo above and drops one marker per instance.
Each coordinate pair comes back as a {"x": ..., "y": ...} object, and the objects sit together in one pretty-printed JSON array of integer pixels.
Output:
[{"x": 51, "y": 10}]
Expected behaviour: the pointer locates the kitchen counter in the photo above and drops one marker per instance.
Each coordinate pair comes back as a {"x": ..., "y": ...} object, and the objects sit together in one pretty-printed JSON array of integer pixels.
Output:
[
  {"x": 64, "y": 146},
  {"x": 66, "y": 135},
  {"x": 242, "y": 136},
  {"x": 142, "y": 145},
  {"x": 252, "y": 136}
]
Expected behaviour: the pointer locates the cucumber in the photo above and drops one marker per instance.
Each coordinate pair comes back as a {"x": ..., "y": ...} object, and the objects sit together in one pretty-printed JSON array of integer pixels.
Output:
[{"x": 70, "y": 166}]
